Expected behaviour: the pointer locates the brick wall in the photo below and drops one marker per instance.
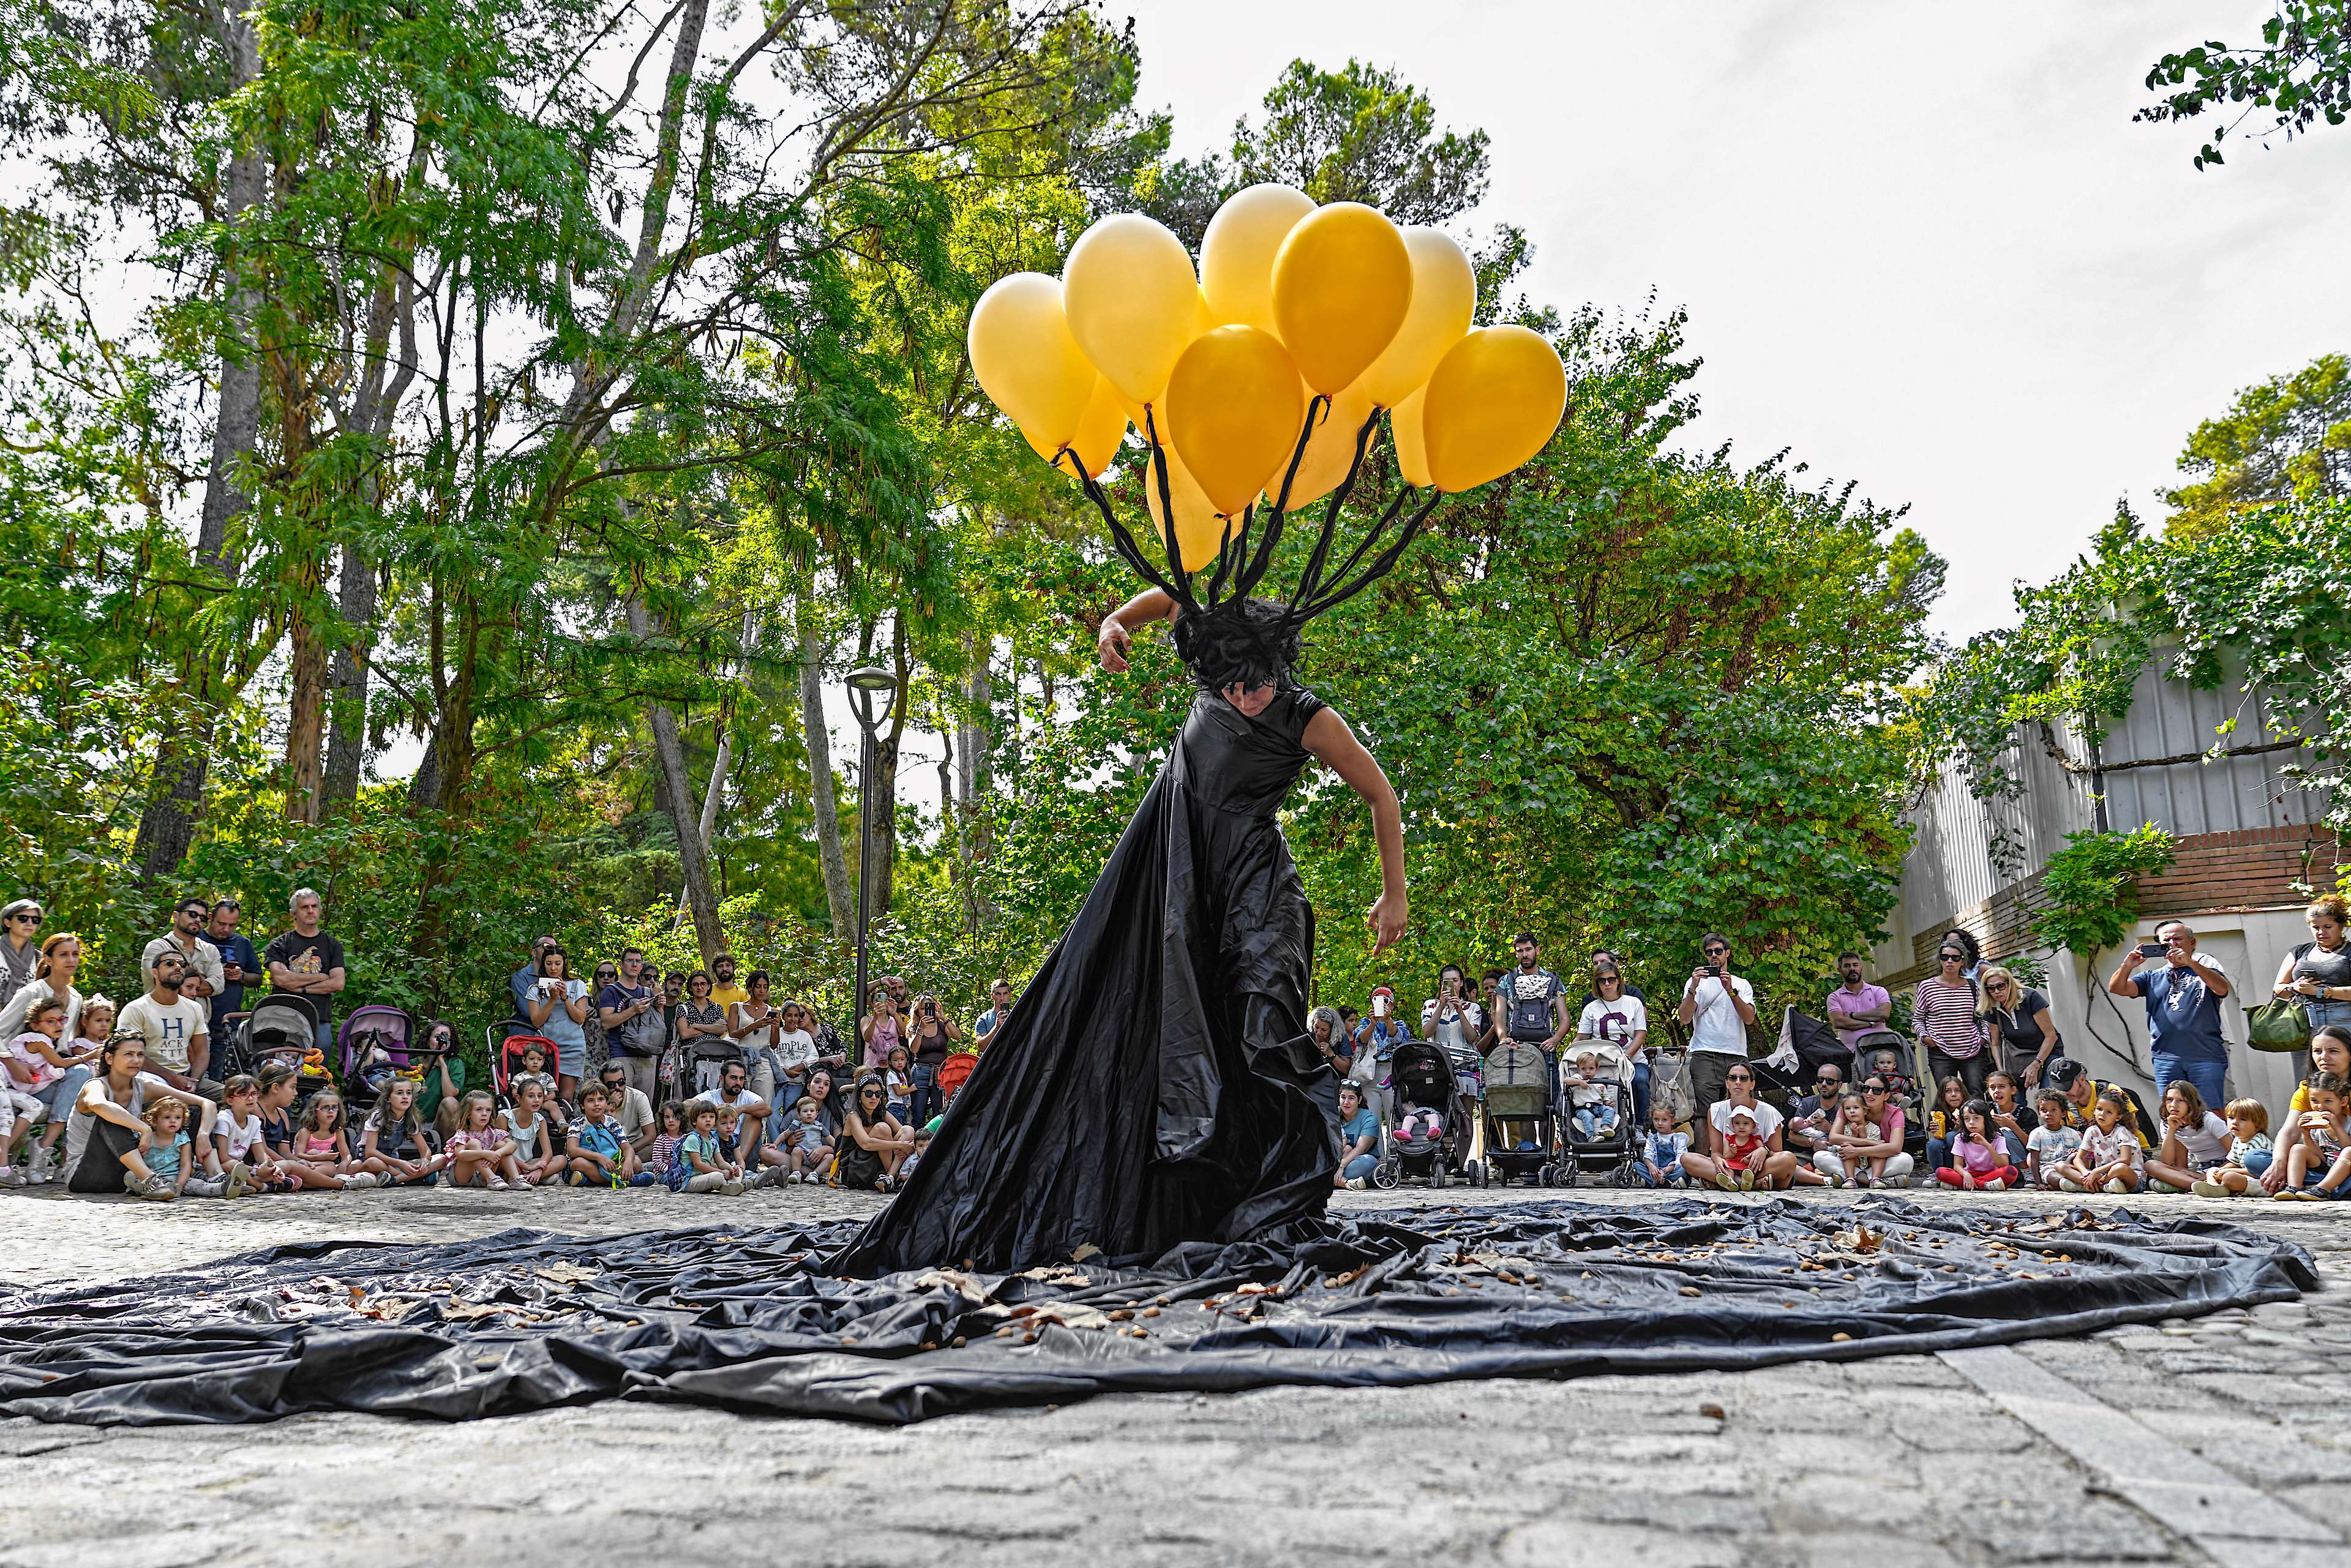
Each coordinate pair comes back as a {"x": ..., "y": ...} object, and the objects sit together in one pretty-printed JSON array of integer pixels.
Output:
[{"x": 2214, "y": 874}]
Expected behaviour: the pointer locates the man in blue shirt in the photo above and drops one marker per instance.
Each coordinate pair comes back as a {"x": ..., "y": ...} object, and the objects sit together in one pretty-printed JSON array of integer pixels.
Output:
[
  {"x": 991, "y": 1022},
  {"x": 240, "y": 965},
  {"x": 2183, "y": 1013}
]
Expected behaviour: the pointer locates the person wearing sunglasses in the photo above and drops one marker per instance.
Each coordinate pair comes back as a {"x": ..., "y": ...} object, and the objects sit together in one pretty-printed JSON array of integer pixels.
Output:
[
  {"x": 1871, "y": 1158},
  {"x": 1772, "y": 1166},
  {"x": 20, "y": 934},
  {"x": 1716, "y": 1007},
  {"x": 1945, "y": 1007},
  {"x": 876, "y": 1143}
]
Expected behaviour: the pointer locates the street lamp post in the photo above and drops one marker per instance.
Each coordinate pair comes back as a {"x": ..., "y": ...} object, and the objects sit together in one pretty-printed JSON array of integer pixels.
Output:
[{"x": 865, "y": 684}]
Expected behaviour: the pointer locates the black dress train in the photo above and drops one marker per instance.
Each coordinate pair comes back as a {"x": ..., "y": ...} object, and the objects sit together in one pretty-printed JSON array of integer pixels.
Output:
[{"x": 1151, "y": 1087}]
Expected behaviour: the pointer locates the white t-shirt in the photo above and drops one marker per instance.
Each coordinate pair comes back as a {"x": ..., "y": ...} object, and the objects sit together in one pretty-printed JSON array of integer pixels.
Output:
[
  {"x": 1717, "y": 1026},
  {"x": 1617, "y": 1022},
  {"x": 2207, "y": 1144},
  {"x": 1767, "y": 1120},
  {"x": 169, "y": 1029},
  {"x": 795, "y": 1048},
  {"x": 240, "y": 1138}
]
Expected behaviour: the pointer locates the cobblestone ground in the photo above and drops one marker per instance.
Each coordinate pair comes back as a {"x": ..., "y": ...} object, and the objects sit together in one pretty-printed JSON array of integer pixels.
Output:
[{"x": 2221, "y": 1439}]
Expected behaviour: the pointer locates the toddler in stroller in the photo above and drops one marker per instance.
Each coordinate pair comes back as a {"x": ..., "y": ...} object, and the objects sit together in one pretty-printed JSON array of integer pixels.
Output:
[
  {"x": 1420, "y": 1076},
  {"x": 1592, "y": 1093}
]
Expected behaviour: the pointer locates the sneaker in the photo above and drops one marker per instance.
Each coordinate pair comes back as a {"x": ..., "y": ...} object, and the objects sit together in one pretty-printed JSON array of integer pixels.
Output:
[
  {"x": 2067, "y": 1184},
  {"x": 498, "y": 1183},
  {"x": 732, "y": 1186},
  {"x": 152, "y": 1187},
  {"x": 359, "y": 1179},
  {"x": 240, "y": 1179},
  {"x": 39, "y": 1173},
  {"x": 643, "y": 1178},
  {"x": 1726, "y": 1181},
  {"x": 1994, "y": 1185},
  {"x": 2116, "y": 1185},
  {"x": 11, "y": 1176},
  {"x": 2209, "y": 1189},
  {"x": 1357, "y": 1184}
]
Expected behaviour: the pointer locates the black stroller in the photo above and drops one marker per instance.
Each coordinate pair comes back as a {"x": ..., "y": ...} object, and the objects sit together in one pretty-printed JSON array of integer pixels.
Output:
[
  {"x": 1421, "y": 1077},
  {"x": 1608, "y": 1155}
]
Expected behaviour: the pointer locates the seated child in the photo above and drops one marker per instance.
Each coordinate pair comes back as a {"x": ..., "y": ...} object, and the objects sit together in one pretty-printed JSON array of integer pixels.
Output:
[
  {"x": 2052, "y": 1146},
  {"x": 921, "y": 1146},
  {"x": 172, "y": 1155},
  {"x": 238, "y": 1150},
  {"x": 2109, "y": 1158},
  {"x": 393, "y": 1145},
  {"x": 1743, "y": 1153},
  {"x": 1592, "y": 1100},
  {"x": 2318, "y": 1163},
  {"x": 534, "y": 1070},
  {"x": 1977, "y": 1160},
  {"x": 600, "y": 1155},
  {"x": 534, "y": 1130},
  {"x": 2249, "y": 1155},
  {"x": 802, "y": 1149},
  {"x": 1419, "y": 1124},
  {"x": 1662, "y": 1150},
  {"x": 371, "y": 1062},
  {"x": 479, "y": 1150},
  {"x": 35, "y": 1070},
  {"x": 706, "y": 1157},
  {"x": 663, "y": 1162}
]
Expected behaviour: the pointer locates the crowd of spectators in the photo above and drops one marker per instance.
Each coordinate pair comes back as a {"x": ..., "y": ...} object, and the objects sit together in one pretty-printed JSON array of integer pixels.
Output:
[{"x": 706, "y": 1080}]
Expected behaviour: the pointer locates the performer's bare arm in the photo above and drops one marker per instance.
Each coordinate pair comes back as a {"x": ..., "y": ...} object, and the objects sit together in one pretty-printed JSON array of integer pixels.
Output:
[
  {"x": 1117, "y": 635},
  {"x": 1329, "y": 739}
]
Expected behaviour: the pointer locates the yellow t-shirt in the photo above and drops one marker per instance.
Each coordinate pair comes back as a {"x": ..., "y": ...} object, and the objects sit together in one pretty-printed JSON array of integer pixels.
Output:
[{"x": 727, "y": 995}]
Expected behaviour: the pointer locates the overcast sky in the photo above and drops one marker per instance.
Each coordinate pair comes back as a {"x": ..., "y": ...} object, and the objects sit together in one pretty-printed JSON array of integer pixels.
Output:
[{"x": 1923, "y": 246}]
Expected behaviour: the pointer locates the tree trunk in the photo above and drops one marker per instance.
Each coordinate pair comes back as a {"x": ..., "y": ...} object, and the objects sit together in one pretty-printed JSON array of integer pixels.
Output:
[
  {"x": 971, "y": 751},
  {"x": 824, "y": 804},
  {"x": 347, "y": 679},
  {"x": 167, "y": 823},
  {"x": 424, "y": 785},
  {"x": 669, "y": 751},
  {"x": 452, "y": 771},
  {"x": 307, "y": 676}
]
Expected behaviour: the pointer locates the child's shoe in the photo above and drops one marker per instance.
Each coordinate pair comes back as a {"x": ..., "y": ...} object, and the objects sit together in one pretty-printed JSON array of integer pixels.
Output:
[
  {"x": 1356, "y": 1183},
  {"x": 498, "y": 1183},
  {"x": 1994, "y": 1185},
  {"x": 732, "y": 1186},
  {"x": 11, "y": 1176},
  {"x": 240, "y": 1180},
  {"x": 2209, "y": 1189},
  {"x": 2067, "y": 1184},
  {"x": 2116, "y": 1185}
]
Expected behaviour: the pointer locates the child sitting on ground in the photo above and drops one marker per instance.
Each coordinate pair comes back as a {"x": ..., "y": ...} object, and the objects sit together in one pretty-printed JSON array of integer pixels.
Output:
[
  {"x": 172, "y": 1155},
  {"x": 1662, "y": 1150},
  {"x": 37, "y": 1062},
  {"x": 1851, "y": 1130},
  {"x": 2109, "y": 1157},
  {"x": 1593, "y": 1099},
  {"x": 2051, "y": 1146},
  {"x": 2318, "y": 1163},
  {"x": 921, "y": 1146},
  {"x": 706, "y": 1157},
  {"x": 662, "y": 1160},
  {"x": 2249, "y": 1155},
  {"x": 2010, "y": 1123},
  {"x": 237, "y": 1144},
  {"x": 1743, "y": 1153},
  {"x": 599, "y": 1154},
  {"x": 533, "y": 1131},
  {"x": 479, "y": 1150},
  {"x": 322, "y": 1145},
  {"x": 394, "y": 1146},
  {"x": 1978, "y": 1161},
  {"x": 1943, "y": 1123}
]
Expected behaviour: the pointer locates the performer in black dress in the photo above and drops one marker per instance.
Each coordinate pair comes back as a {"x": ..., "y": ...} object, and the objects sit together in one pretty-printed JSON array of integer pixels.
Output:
[{"x": 1150, "y": 1088}]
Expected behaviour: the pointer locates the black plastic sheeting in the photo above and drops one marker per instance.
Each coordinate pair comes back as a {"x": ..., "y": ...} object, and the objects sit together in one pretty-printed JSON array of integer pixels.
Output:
[{"x": 735, "y": 1317}]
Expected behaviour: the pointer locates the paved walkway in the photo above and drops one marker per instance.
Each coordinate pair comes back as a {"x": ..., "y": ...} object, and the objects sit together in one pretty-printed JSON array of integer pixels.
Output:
[{"x": 2224, "y": 1439}]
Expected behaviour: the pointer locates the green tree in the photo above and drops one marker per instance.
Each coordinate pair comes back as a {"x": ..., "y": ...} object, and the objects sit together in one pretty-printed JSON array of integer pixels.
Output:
[
  {"x": 2287, "y": 439},
  {"x": 2299, "y": 74}
]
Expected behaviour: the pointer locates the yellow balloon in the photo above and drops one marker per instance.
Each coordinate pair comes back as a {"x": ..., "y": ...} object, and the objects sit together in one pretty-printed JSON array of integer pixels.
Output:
[
  {"x": 1329, "y": 453},
  {"x": 1443, "y": 299},
  {"x": 1234, "y": 407},
  {"x": 1199, "y": 531},
  {"x": 1133, "y": 302},
  {"x": 1411, "y": 445},
  {"x": 1100, "y": 430},
  {"x": 1237, "y": 252},
  {"x": 1025, "y": 360},
  {"x": 1493, "y": 403},
  {"x": 1342, "y": 284}
]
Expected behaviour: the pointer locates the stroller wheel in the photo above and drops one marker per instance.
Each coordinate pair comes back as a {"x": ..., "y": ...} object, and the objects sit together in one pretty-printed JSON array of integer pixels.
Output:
[
  {"x": 1545, "y": 1176},
  {"x": 1569, "y": 1175},
  {"x": 1476, "y": 1173},
  {"x": 1440, "y": 1176},
  {"x": 1383, "y": 1175}
]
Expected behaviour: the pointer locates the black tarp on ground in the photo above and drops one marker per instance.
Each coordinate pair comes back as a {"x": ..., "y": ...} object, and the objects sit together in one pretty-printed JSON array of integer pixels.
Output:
[{"x": 733, "y": 1316}]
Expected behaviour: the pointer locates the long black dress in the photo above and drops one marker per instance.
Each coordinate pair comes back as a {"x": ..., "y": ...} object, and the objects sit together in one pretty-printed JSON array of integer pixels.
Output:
[{"x": 1151, "y": 1086}]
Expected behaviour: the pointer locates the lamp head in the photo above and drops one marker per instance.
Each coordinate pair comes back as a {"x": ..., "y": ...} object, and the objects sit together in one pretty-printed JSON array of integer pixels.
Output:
[{"x": 872, "y": 678}]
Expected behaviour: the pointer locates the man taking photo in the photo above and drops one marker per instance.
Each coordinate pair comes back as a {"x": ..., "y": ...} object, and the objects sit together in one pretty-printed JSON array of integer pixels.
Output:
[{"x": 1716, "y": 1007}]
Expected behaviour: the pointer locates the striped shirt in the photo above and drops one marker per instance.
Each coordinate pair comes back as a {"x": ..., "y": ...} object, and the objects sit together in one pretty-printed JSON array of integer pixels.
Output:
[{"x": 1947, "y": 1019}]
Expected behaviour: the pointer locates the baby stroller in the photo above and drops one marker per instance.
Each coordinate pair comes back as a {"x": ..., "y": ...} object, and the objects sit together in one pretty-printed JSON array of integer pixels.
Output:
[
  {"x": 1611, "y": 1153},
  {"x": 507, "y": 1042},
  {"x": 283, "y": 1027},
  {"x": 953, "y": 1072},
  {"x": 1421, "y": 1078},
  {"x": 374, "y": 1045},
  {"x": 1519, "y": 1131}
]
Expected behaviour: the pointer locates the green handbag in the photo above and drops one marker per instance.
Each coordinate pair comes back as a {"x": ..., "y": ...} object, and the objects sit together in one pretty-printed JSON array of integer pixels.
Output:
[{"x": 2279, "y": 1025}]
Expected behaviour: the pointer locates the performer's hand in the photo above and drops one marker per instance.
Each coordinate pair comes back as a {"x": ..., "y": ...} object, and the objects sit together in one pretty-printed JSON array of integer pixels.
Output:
[
  {"x": 1113, "y": 644},
  {"x": 1388, "y": 917}
]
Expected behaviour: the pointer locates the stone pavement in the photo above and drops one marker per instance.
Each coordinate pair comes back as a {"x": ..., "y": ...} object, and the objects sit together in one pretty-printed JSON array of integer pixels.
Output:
[{"x": 2221, "y": 1439}]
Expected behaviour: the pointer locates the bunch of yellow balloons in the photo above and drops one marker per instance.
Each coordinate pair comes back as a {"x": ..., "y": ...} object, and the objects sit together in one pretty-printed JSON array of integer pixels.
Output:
[{"x": 1291, "y": 300}]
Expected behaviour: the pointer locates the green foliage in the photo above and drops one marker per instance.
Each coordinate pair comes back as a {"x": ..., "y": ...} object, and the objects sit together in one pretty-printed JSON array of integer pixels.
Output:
[
  {"x": 2299, "y": 74},
  {"x": 2089, "y": 889},
  {"x": 2287, "y": 439}
]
